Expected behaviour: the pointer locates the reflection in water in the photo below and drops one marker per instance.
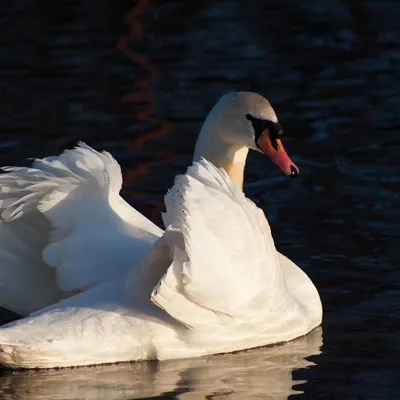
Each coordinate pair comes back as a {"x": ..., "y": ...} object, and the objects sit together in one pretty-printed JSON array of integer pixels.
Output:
[
  {"x": 267, "y": 372},
  {"x": 143, "y": 95}
]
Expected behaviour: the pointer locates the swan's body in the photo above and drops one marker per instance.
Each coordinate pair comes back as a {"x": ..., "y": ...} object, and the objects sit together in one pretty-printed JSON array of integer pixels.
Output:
[
  {"x": 212, "y": 283},
  {"x": 263, "y": 372}
]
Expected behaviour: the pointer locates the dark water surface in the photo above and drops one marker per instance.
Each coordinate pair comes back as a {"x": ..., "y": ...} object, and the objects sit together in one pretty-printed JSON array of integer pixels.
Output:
[{"x": 138, "y": 78}]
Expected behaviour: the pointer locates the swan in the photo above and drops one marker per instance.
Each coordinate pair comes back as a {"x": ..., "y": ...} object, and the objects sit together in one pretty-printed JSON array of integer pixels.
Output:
[{"x": 100, "y": 283}]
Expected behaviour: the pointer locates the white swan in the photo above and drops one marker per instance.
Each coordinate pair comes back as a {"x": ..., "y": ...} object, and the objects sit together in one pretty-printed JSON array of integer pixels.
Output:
[{"x": 215, "y": 271}]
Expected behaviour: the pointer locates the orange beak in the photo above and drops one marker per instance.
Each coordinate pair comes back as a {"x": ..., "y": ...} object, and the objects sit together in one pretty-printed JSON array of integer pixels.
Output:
[{"x": 275, "y": 151}]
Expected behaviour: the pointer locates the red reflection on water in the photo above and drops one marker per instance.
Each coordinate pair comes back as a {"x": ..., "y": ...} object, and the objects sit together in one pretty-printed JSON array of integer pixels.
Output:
[{"x": 143, "y": 93}]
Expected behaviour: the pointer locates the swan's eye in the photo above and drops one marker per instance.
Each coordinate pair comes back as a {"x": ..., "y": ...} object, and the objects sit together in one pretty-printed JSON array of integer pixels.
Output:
[{"x": 274, "y": 129}]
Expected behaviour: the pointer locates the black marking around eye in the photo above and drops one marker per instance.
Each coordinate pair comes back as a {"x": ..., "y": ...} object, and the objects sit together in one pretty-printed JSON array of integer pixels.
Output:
[{"x": 260, "y": 125}]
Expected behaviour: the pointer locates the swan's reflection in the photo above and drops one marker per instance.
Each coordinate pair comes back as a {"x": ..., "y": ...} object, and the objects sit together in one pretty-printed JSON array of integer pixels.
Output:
[{"x": 259, "y": 373}]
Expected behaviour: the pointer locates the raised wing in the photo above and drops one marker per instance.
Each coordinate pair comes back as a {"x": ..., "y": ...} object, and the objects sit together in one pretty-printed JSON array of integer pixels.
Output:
[
  {"x": 225, "y": 265},
  {"x": 64, "y": 228}
]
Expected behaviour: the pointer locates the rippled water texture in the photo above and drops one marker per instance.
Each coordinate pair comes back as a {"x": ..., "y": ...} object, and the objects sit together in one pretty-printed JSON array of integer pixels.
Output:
[{"x": 138, "y": 78}]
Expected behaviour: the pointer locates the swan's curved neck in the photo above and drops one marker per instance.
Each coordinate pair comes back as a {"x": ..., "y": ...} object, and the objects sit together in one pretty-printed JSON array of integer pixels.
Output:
[{"x": 222, "y": 154}]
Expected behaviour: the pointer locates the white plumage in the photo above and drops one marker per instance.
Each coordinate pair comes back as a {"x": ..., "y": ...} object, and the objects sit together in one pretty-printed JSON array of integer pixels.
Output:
[
  {"x": 101, "y": 283},
  {"x": 219, "y": 277},
  {"x": 224, "y": 235},
  {"x": 62, "y": 224}
]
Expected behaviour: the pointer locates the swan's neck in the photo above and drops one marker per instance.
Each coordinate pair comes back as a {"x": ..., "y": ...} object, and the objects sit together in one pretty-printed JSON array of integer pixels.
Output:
[{"x": 222, "y": 154}]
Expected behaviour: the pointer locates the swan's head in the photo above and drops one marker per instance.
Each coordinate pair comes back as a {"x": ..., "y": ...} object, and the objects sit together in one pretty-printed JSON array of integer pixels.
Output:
[{"x": 246, "y": 119}]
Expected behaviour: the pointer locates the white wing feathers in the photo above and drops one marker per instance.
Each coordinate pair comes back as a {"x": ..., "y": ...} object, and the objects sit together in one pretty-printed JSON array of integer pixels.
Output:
[
  {"x": 65, "y": 212},
  {"x": 26, "y": 282},
  {"x": 224, "y": 260}
]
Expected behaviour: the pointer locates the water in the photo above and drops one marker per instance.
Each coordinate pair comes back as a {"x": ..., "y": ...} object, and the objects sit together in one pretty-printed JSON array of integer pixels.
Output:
[{"x": 138, "y": 79}]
